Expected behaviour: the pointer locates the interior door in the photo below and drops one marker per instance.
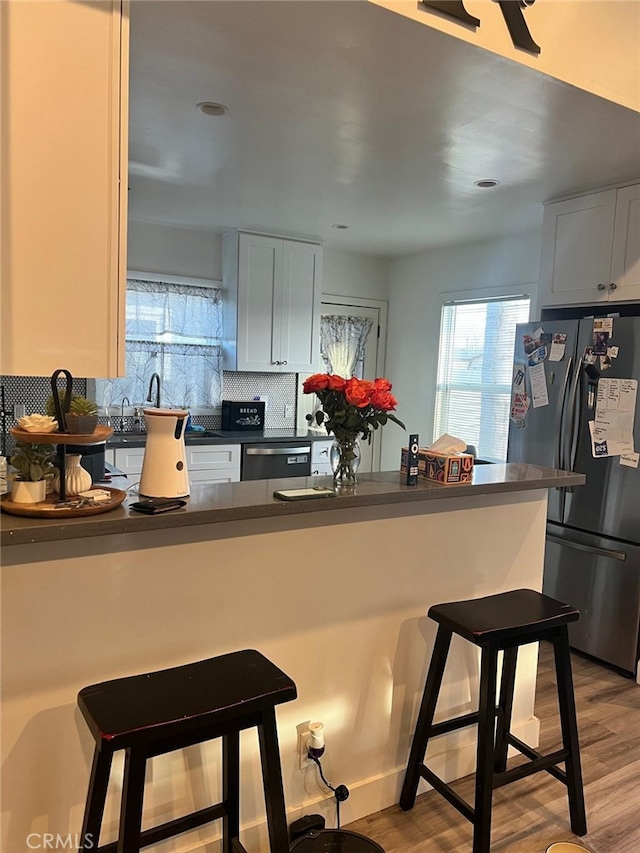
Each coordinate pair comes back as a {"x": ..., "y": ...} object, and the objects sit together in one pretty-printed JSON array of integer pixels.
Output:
[{"x": 367, "y": 368}]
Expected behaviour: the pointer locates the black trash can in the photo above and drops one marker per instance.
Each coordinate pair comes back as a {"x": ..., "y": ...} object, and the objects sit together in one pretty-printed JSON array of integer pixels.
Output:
[{"x": 335, "y": 841}]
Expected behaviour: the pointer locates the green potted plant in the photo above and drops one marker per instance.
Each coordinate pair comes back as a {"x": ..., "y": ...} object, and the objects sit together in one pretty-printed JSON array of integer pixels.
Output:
[
  {"x": 82, "y": 417},
  {"x": 33, "y": 463}
]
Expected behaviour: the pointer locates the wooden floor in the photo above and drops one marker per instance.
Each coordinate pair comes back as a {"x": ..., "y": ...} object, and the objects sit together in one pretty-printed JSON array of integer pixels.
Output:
[{"x": 531, "y": 814}]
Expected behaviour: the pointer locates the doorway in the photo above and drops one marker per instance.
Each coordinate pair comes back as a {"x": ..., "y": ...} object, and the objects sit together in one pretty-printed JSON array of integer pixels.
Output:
[{"x": 369, "y": 366}]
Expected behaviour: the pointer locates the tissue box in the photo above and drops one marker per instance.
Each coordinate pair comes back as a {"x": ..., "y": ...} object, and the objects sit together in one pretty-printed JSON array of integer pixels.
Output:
[{"x": 446, "y": 468}]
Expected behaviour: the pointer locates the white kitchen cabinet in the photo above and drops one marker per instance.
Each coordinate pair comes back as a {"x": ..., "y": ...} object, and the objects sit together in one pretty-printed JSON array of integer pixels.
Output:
[
  {"x": 591, "y": 249},
  {"x": 206, "y": 463},
  {"x": 213, "y": 463},
  {"x": 129, "y": 461},
  {"x": 320, "y": 463},
  {"x": 625, "y": 259},
  {"x": 272, "y": 303},
  {"x": 64, "y": 186}
]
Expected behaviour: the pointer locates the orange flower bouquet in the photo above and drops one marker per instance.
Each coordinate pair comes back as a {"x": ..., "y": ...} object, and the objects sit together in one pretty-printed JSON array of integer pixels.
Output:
[{"x": 351, "y": 408}]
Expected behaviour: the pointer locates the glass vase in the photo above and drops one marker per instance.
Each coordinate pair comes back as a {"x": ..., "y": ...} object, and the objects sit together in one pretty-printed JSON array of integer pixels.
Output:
[{"x": 345, "y": 460}]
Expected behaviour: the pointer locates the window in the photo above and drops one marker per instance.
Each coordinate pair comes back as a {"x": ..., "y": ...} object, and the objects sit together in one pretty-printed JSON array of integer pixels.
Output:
[
  {"x": 175, "y": 330},
  {"x": 475, "y": 368}
]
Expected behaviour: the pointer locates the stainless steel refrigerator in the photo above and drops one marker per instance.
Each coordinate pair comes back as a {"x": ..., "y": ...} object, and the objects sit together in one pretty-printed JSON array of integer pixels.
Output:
[{"x": 592, "y": 558}]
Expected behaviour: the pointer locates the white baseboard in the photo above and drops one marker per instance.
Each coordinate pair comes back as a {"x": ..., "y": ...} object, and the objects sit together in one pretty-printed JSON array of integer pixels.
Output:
[{"x": 366, "y": 796}]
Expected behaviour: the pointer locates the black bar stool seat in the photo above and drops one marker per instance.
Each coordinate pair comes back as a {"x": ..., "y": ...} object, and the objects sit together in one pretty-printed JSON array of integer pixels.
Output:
[
  {"x": 495, "y": 623},
  {"x": 158, "y": 712}
]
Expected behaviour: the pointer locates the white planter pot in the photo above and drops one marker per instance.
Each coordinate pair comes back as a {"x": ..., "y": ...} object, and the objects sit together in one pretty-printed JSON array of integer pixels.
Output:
[{"x": 24, "y": 492}]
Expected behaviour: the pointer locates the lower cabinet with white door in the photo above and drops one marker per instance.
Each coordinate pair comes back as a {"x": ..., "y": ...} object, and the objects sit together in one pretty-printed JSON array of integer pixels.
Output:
[
  {"x": 129, "y": 461},
  {"x": 213, "y": 463},
  {"x": 320, "y": 463},
  {"x": 206, "y": 463}
]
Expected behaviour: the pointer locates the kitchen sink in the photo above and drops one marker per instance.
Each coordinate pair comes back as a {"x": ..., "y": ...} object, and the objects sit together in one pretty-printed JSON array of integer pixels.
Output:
[{"x": 129, "y": 435}]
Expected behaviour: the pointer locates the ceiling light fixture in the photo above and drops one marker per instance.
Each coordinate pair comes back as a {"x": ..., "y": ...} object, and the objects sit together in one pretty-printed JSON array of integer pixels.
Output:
[
  {"x": 209, "y": 108},
  {"x": 340, "y": 227},
  {"x": 486, "y": 183}
]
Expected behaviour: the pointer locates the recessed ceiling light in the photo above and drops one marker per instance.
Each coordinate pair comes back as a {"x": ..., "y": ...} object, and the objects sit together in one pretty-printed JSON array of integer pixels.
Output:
[
  {"x": 209, "y": 108},
  {"x": 340, "y": 227},
  {"x": 486, "y": 183}
]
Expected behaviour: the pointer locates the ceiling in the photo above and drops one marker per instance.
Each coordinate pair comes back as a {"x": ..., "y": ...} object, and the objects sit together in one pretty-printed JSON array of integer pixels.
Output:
[{"x": 346, "y": 113}]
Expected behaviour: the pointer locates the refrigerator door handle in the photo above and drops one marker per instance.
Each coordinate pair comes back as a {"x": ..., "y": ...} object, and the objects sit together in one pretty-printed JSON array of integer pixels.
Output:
[
  {"x": 560, "y": 459},
  {"x": 573, "y": 418},
  {"x": 589, "y": 549}
]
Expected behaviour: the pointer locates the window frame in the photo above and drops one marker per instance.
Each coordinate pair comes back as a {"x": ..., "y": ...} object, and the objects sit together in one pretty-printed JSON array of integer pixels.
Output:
[
  {"x": 161, "y": 278},
  {"x": 481, "y": 294}
]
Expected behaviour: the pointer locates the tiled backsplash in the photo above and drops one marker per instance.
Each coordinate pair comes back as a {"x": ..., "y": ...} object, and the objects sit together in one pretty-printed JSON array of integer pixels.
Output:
[{"x": 279, "y": 389}]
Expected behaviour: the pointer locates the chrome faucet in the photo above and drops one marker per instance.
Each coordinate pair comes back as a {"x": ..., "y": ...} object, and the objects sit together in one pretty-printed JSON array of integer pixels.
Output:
[
  {"x": 155, "y": 376},
  {"x": 122, "y": 412}
]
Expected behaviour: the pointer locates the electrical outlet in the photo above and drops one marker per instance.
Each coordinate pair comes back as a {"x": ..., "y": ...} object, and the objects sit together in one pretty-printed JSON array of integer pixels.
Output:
[
  {"x": 19, "y": 410},
  {"x": 309, "y": 734},
  {"x": 288, "y": 410},
  {"x": 303, "y": 745}
]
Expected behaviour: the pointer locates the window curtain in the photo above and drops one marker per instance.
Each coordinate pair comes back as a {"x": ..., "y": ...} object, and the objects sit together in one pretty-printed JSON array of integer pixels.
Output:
[
  {"x": 174, "y": 330},
  {"x": 342, "y": 342},
  {"x": 475, "y": 369}
]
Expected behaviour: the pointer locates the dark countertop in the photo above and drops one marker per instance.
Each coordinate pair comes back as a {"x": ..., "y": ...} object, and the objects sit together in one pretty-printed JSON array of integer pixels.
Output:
[
  {"x": 210, "y": 504},
  {"x": 131, "y": 439}
]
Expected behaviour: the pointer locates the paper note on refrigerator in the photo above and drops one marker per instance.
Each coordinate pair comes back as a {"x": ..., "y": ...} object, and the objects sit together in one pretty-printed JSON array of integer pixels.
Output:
[
  {"x": 538, "y": 381},
  {"x": 631, "y": 460},
  {"x": 558, "y": 346},
  {"x": 612, "y": 429}
]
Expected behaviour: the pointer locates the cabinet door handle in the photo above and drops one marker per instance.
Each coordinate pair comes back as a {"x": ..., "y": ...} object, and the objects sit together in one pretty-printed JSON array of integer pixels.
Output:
[
  {"x": 284, "y": 362},
  {"x": 612, "y": 286},
  {"x": 601, "y": 286},
  {"x": 324, "y": 453},
  {"x": 276, "y": 362}
]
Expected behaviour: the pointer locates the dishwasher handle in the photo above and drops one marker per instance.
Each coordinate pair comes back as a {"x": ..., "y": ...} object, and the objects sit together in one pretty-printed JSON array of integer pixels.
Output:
[
  {"x": 275, "y": 451},
  {"x": 589, "y": 549}
]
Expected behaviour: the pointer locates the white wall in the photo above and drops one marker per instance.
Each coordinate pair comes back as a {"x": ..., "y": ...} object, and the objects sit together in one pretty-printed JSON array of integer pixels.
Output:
[
  {"x": 351, "y": 274},
  {"x": 416, "y": 285},
  {"x": 174, "y": 251}
]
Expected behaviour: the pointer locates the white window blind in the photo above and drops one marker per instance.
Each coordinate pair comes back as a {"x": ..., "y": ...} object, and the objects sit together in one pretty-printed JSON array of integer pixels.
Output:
[
  {"x": 475, "y": 367},
  {"x": 174, "y": 330}
]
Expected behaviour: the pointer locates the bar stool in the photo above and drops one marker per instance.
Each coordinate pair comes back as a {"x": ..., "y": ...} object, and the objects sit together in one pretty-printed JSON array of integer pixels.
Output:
[
  {"x": 494, "y": 623},
  {"x": 158, "y": 712}
]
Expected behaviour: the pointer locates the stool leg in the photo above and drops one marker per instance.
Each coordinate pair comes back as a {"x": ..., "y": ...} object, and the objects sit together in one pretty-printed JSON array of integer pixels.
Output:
[
  {"x": 505, "y": 705},
  {"x": 272, "y": 782},
  {"x": 485, "y": 750},
  {"x": 96, "y": 797},
  {"x": 425, "y": 718},
  {"x": 230, "y": 789},
  {"x": 132, "y": 796},
  {"x": 569, "y": 725}
]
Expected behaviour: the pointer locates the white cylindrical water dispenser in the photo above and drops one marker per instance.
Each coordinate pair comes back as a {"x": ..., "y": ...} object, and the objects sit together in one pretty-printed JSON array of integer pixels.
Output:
[{"x": 164, "y": 466}]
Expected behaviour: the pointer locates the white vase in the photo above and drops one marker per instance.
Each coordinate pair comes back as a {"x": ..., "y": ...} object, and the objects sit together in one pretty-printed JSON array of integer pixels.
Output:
[
  {"x": 28, "y": 491},
  {"x": 76, "y": 479}
]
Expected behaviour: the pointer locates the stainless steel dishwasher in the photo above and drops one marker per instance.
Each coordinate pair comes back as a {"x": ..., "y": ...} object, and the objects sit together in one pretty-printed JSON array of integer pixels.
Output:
[{"x": 273, "y": 460}]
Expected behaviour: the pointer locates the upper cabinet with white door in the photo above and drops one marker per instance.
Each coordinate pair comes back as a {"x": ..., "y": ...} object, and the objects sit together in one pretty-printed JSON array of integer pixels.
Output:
[
  {"x": 591, "y": 249},
  {"x": 64, "y": 186},
  {"x": 272, "y": 303}
]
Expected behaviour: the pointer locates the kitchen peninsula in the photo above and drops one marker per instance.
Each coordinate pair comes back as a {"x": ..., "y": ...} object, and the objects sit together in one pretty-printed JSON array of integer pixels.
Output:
[{"x": 333, "y": 591}]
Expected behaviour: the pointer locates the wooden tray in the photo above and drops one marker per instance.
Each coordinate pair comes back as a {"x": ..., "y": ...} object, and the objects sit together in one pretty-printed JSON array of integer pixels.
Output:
[
  {"x": 46, "y": 509},
  {"x": 100, "y": 434}
]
